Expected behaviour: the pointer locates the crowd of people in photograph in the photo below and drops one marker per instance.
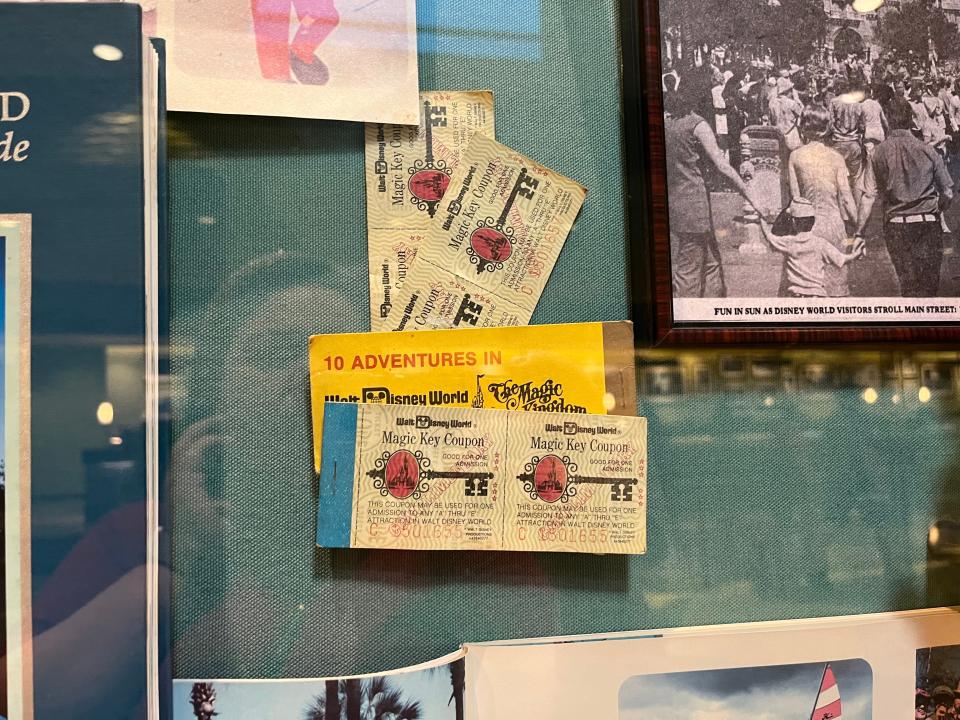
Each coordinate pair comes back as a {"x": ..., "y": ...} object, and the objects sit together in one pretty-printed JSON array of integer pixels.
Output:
[
  {"x": 859, "y": 136},
  {"x": 941, "y": 702}
]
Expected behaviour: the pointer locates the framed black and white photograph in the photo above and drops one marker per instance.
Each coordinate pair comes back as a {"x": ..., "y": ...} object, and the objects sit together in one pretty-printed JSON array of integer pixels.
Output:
[{"x": 804, "y": 156}]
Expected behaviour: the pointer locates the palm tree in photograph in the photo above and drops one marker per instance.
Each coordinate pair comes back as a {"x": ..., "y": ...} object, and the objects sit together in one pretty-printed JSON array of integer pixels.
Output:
[
  {"x": 203, "y": 698},
  {"x": 354, "y": 698},
  {"x": 372, "y": 699},
  {"x": 332, "y": 709},
  {"x": 457, "y": 672}
]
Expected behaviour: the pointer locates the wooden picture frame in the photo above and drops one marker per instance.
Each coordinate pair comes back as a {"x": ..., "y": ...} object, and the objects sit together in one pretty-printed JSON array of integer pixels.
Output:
[{"x": 653, "y": 298}]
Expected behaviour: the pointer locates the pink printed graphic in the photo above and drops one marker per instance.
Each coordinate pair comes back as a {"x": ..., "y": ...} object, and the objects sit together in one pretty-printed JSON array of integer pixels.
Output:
[
  {"x": 550, "y": 478},
  {"x": 402, "y": 474}
]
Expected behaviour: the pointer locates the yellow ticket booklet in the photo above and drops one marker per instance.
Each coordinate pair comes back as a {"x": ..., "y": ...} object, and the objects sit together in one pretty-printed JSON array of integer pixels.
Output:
[{"x": 575, "y": 368}]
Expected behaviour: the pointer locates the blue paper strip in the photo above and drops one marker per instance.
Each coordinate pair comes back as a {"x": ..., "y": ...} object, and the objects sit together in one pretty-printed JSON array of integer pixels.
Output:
[{"x": 335, "y": 509}]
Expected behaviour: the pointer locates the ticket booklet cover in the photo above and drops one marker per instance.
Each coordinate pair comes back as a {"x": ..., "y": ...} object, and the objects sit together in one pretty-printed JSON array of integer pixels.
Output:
[
  {"x": 583, "y": 367},
  {"x": 402, "y": 477},
  {"x": 486, "y": 256}
]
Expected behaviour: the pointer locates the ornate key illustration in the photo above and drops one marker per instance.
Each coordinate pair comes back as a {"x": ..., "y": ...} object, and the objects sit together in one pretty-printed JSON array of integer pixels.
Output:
[
  {"x": 429, "y": 177},
  {"x": 406, "y": 474},
  {"x": 492, "y": 241},
  {"x": 551, "y": 478}
]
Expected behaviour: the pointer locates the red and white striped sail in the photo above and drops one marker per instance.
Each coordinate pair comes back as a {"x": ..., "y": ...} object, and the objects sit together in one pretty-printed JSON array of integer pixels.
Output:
[{"x": 828, "y": 700}]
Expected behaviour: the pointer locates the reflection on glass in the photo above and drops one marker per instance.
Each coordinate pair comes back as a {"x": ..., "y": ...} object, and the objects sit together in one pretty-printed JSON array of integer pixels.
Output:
[
  {"x": 105, "y": 413},
  {"x": 109, "y": 53},
  {"x": 495, "y": 28},
  {"x": 926, "y": 374}
]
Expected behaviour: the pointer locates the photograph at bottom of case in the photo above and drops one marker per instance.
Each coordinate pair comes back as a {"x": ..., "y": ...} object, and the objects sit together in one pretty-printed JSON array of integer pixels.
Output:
[
  {"x": 431, "y": 691},
  {"x": 938, "y": 682},
  {"x": 818, "y": 691}
]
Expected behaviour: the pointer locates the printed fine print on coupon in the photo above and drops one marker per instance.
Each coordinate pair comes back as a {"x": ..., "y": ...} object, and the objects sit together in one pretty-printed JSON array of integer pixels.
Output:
[
  {"x": 487, "y": 254},
  {"x": 408, "y": 169},
  {"x": 398, "y": 477}
]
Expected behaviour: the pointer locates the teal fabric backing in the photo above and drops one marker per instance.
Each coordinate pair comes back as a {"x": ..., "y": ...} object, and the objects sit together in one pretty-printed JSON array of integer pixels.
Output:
[{"x": 816, "y": 507}]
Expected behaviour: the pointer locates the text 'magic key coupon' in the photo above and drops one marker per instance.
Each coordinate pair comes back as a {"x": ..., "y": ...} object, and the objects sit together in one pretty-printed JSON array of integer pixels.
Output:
[
  {"x": 408, "y": 169},
  {"x": 401, "y": 477},
  {"x": 486, "y": 256},
  {"x": 583, "y": 367}
]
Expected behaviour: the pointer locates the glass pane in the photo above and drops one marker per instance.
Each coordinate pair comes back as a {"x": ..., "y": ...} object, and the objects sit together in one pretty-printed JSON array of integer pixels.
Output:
[{"x": 780, "y": 485}]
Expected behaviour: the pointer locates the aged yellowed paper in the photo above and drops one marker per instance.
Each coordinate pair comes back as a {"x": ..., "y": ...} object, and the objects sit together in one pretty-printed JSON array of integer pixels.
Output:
[
  {"x": 15, "y": 236},
  {"x": 294, "y": 58},
  {"x": 486, "y": 256},
  {"x": 408, "y": 169},
  {"x": 443, "y": 478}
]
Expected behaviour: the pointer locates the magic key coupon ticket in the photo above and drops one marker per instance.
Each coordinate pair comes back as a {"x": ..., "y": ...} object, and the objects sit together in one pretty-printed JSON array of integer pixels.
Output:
[
  {"x": 408, "y": 169},
  {"x": 397, "y": 477},
  {"x": 485, "y": 258}
]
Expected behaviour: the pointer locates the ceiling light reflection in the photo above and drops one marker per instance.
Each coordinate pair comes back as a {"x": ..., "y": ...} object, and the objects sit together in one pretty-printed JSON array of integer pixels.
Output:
[
  {"x": 108, "y": 52},
  {"x": 105, "y": 413}
]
